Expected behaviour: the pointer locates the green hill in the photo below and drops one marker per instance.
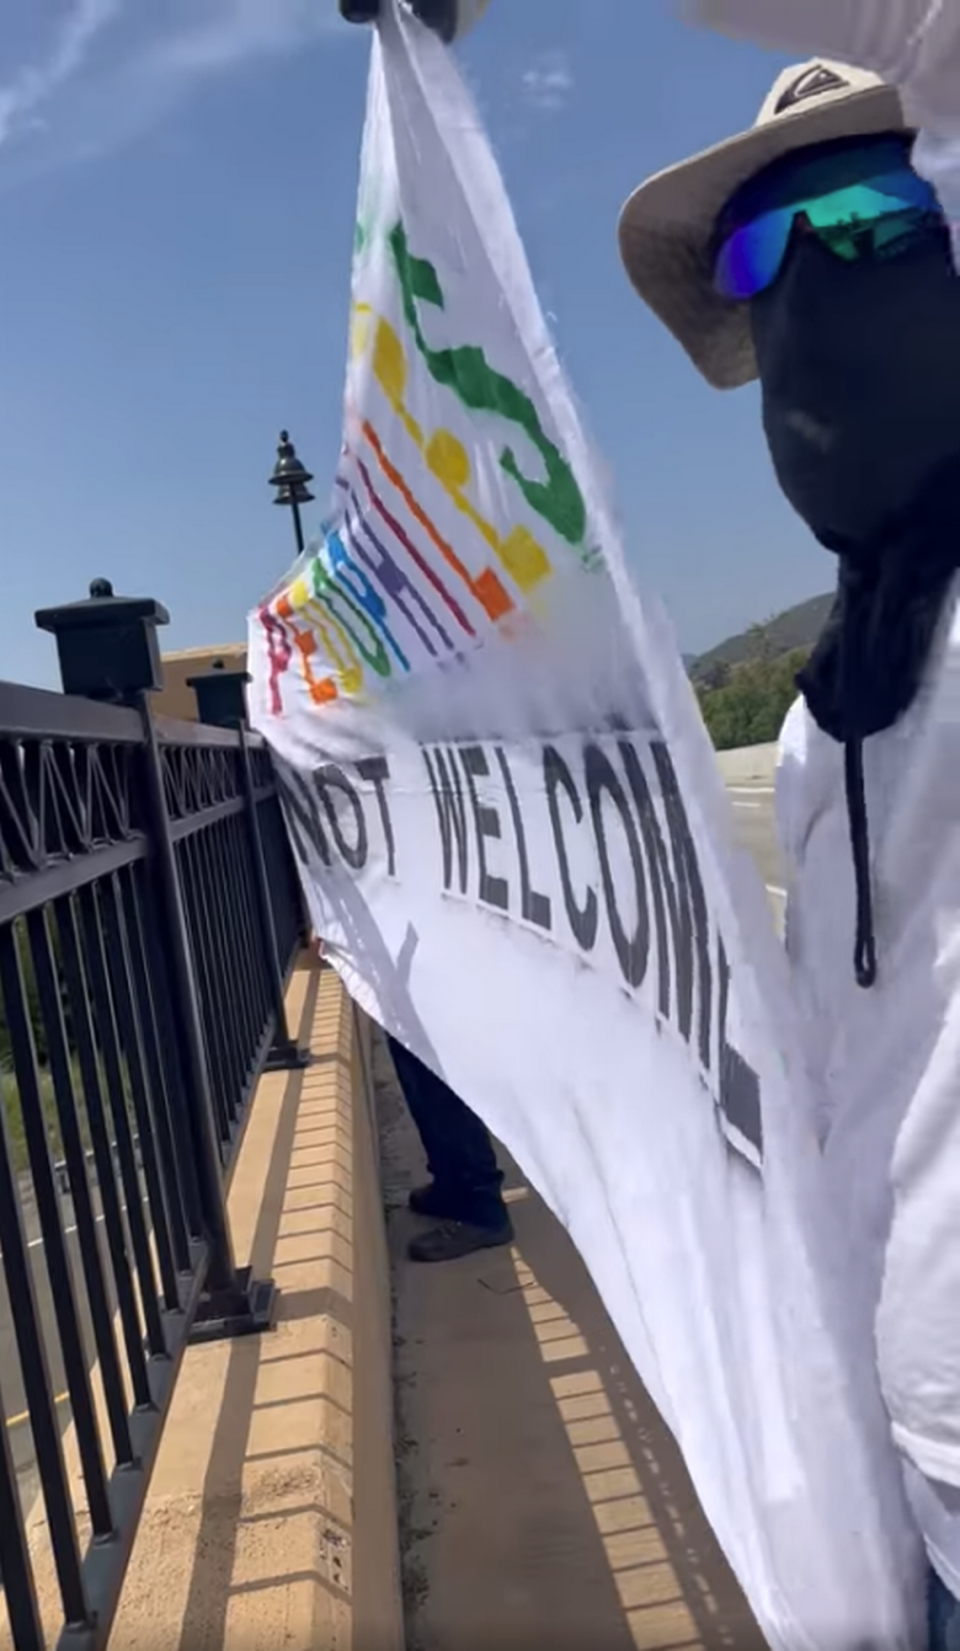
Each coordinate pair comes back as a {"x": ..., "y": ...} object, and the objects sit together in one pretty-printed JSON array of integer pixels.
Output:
[
  {"x": 747, "y": 684},
  {"x": 797, "y": 628}
]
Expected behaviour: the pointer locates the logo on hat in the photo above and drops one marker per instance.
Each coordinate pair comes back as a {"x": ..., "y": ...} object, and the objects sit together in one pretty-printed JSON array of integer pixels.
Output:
[{"x": 812, "y": 83}]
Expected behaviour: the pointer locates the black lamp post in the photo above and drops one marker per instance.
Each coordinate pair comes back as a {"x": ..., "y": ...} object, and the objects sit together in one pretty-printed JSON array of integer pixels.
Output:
[{"x": 290, "y": 478}]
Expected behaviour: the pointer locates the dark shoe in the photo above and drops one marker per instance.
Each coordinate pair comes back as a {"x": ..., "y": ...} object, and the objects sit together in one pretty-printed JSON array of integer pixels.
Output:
[
  {"x": 435, "y": 1201},
  {"x": 452, "y": 1240}
]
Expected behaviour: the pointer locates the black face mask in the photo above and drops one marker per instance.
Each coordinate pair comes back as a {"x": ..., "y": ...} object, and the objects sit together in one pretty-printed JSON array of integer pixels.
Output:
[{"x": 860, "y": 371}]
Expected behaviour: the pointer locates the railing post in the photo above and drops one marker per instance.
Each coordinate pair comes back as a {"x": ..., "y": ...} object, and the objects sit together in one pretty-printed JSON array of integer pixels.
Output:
[
  {"x": 222, "y": 703},
  {"x": 16, "y": 1571},
  {"x": 108, "y": 650}
]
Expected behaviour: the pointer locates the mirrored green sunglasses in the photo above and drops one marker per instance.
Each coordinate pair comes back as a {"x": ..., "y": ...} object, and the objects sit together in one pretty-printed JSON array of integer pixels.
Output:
[{"x": 860, "y": 199}]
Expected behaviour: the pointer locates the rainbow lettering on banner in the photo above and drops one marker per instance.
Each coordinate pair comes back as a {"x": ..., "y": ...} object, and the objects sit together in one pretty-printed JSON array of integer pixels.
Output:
[
  {"x": 468, "y": 373},
  {"x": 523, "y": 559},
  {"x": 336, "y": 617}
]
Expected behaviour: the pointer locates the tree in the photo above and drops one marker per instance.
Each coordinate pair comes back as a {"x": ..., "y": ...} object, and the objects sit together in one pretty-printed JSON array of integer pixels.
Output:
[
  {"x": 716, "y": 676},
  {"x": 32, "y": 1000},
  {"x": 759, "y": 641},
  {"x": 749, "y": 708}
]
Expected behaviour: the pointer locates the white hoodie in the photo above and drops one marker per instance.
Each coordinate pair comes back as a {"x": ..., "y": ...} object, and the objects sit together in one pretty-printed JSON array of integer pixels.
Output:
[{"x": 886, "y": 1062}]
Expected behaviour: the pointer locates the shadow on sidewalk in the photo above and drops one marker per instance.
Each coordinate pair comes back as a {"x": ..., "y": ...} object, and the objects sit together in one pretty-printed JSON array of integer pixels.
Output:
[
  {"x": 543, "y": 1501},
  {"x": 272, "y": 1553},
  {"x": 667, "y": 1564}
]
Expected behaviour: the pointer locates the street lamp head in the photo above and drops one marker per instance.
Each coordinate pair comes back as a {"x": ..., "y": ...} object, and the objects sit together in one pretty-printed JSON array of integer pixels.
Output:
[{"x": 290, "y": 477}]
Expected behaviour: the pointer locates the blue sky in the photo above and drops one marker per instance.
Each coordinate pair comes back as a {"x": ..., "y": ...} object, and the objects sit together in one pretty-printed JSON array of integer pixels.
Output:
[{"x": 177, "y": 193}]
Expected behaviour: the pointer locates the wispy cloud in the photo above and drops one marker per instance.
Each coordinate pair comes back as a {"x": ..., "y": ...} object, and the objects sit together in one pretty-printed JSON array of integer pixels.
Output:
[
  {"x": 548, "y": 81},
  {"x": 23, "y": 96},
  {"x": 115, "y": 67},
  {"x": 216, "y": 37}
]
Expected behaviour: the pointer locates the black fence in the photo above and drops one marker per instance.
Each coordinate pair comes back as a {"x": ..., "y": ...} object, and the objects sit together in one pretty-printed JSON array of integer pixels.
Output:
[{"x": 149, "y": 915}]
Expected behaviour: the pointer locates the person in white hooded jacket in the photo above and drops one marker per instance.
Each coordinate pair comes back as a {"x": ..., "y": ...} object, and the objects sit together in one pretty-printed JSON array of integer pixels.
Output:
[{"x": 809, "y": 253}]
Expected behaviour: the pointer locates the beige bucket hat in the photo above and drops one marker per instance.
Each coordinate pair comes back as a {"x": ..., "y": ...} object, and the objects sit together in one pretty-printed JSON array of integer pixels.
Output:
[{"x": 666, "y": 227}]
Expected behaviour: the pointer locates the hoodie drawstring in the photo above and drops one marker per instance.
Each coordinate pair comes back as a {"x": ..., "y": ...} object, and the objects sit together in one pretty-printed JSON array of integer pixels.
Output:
[{"x": 865, "y": 954}]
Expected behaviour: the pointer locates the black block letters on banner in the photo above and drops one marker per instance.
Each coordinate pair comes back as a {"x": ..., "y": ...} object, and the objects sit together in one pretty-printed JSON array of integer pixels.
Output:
[{"x": 613, "y": 843}]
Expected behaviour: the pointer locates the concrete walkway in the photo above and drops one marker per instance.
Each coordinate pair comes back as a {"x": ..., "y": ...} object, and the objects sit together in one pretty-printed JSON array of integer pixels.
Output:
[
  {"x": 269, "y": 1523},
  {"x": 542, "y": 1500}
]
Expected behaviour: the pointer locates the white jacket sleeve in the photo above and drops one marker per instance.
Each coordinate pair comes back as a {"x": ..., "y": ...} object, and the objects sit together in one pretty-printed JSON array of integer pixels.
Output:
[
  {"x": 914, "y": 44},
  {"x": 881, "y": 35},
  {"x": 918, "y": 1326}
]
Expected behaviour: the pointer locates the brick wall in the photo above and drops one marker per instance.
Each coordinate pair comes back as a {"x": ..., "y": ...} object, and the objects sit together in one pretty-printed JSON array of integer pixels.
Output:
[{"x": 175, "y": 699}]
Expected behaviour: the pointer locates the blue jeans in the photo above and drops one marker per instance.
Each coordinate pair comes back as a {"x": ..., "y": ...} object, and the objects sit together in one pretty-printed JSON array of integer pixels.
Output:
[
  {"x": 943, "y": 1616},
  {"x": 459, "y": 1151}
]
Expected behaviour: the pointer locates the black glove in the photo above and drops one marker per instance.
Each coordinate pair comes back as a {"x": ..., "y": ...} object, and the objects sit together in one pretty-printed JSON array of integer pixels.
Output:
[
  {"x": 439, "y": 15},
  {"x": 360, "y": 11}
]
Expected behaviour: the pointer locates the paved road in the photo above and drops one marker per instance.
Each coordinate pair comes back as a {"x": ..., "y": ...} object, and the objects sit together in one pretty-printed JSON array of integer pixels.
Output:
[
  {"x": 753, "y": 806},
  {"x": 756, "y": 832}
]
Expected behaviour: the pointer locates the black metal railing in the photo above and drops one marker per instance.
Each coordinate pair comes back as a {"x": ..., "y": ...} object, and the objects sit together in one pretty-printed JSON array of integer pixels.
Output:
[
  {"x": 207, "y": 806},
  {"x": 149, "y": 915}
]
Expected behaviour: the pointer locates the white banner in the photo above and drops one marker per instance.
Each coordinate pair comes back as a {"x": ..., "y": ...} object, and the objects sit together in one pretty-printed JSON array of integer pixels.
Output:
[{"x": 515, "y": 844}]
